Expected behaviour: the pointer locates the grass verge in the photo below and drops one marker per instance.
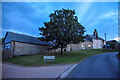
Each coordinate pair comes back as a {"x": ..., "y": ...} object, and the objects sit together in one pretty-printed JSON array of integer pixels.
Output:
[{"x": 67, "y": 58}]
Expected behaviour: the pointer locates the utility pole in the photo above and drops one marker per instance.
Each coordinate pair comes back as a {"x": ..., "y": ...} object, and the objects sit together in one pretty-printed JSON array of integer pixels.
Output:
[
  {"x": 105, "y": 36},
  {"x": 105, "y": 40}
]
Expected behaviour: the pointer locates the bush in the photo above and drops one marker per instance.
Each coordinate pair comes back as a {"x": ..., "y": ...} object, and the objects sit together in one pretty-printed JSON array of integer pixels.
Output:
[{"x": 109, "y": 50}]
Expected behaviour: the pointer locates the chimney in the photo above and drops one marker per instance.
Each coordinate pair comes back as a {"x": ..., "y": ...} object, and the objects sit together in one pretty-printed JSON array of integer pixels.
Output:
[{"x": 95, "y": 34}]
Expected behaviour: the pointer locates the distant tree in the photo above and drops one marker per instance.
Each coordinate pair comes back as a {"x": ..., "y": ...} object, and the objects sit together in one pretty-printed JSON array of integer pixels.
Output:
[
  {"x": 63, "y": 29},
  {"x": 113, "y": 44},
  {"x": 119, "y": 49}
]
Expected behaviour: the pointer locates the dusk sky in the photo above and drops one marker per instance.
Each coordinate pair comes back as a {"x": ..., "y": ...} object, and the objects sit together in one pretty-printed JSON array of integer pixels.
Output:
[{"x": 27, "y": 17}]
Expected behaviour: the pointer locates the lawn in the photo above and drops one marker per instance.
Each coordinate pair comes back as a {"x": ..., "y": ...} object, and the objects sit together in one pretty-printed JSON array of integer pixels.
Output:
[{"x": 67, "y": 58}]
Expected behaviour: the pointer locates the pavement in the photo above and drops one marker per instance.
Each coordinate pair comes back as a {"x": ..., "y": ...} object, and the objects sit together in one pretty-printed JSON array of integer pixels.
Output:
[
  {"x": 14, "y": 71},
  {"x": 98, "y": 66}
]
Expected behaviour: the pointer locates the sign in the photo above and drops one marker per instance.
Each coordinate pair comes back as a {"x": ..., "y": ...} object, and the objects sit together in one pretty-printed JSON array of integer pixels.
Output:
[{"x": 49, "y": 57}]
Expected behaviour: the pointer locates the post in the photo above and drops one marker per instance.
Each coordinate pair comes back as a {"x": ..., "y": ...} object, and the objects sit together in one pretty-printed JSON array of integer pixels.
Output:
[{"x": 105, "y": 36}]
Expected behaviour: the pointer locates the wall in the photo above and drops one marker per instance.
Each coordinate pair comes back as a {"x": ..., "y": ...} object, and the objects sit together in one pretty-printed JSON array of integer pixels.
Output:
[
  {"x": 97, "y": 44},
  {"x": 76, "y": 47},
  {"x": 58, "y": 50},
  {"x": 6, "y": 54},
  {"x": 87, "y": 45},
  {"x": 83, "y": 45},
  {"x": 104, "y": 42},
  {"x": 26, "y": 48}
]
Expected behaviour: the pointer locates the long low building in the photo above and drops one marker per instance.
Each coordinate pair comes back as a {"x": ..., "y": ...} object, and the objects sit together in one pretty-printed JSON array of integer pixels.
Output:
[{"x": 20, "y": 44}]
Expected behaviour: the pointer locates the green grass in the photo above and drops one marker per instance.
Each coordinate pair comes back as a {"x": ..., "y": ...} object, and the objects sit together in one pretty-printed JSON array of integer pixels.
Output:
[{"x": 67, "y": 58}]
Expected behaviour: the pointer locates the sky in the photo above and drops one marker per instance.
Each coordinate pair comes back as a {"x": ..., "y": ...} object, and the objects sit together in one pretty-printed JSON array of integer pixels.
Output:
[{"x": 28, "y": 17}]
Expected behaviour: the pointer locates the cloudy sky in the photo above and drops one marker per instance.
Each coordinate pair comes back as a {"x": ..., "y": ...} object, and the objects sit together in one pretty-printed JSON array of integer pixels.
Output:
[{"x": 27, "y": 17}]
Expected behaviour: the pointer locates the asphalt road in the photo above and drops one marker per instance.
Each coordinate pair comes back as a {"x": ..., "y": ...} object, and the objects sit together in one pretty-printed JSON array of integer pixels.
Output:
[{"x": 97, "y": 66}]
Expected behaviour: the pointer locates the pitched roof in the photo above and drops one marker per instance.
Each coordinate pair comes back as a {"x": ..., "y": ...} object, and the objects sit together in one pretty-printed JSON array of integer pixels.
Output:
[
  {"x": 93, "y": 37},
  {"x": 90, "y": 37},
  {"x": 26, "y": 39},
  {"x": 87, "y": 40}
]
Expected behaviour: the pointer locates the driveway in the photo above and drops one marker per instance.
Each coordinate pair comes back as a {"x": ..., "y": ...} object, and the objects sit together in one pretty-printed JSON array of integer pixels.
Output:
[
  {"x": 97, "y": 66},
  {"x": 14, "y": 71}
]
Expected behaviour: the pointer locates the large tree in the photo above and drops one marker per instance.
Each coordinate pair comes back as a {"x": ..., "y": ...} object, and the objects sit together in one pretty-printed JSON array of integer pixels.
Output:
[{"x": 63, "y": 29}]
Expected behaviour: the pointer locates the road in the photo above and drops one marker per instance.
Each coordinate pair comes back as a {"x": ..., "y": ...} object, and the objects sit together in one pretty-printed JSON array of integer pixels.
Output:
[{"x": 97, "y": 66}]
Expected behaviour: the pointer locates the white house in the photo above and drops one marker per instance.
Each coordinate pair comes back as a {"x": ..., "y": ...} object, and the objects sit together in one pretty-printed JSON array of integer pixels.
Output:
[{"x": 97, "y": 41}]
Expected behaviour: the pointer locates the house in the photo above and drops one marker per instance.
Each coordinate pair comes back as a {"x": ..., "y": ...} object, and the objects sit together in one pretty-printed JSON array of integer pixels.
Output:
[
  {"x": 20, "y": 44},
  {"x": 97, "y": 41},
  {"x": 90, "y": 42}
]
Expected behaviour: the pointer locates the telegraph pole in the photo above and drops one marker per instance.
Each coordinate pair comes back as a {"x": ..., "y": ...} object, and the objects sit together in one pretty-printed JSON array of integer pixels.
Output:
[
  {"x": 105, "y": 40},
  {"x": 105, "y": 36}
]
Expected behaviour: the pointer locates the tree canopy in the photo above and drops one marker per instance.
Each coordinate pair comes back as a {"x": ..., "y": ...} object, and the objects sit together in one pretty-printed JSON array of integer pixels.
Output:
[{"x": 63, "y": 29}]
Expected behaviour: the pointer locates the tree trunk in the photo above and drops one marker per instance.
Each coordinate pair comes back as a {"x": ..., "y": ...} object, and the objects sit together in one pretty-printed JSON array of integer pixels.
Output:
[{"x": 61, "y": 49}]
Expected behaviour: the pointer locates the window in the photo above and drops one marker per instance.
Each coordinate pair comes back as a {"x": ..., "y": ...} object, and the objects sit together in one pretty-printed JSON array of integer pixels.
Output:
[
  {"x": 7, "y": 46},
  {"x": 89, "y": 45},
  {"x": 82, "y": 45}
]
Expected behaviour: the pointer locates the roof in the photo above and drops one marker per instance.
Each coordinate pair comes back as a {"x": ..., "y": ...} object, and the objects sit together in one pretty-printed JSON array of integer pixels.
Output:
[
  {"x": 25, "y": 38},
  {"x": 93, "y": 37},
  {"x": 90, "y": 37},
  {"x": 86, "y": 40}
]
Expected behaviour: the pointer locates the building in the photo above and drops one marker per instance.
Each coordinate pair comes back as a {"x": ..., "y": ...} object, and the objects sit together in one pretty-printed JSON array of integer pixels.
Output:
[
  {"x": 20, "y": 44},
  {"x": 97, "y": 41},
  {"x": 90, "y": 42}
]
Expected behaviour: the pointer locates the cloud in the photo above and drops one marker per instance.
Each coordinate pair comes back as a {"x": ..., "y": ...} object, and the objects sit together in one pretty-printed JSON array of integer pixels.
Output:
[
  {"x": 110, "y": 15},
  {"x": 113, "y": 14},
  {"x": 117, "y": 39},
  {"x": 20, "y": 32},
  {"x": 29, "y": 16},
  {"x": 24, "y": 17},
  {"x": 106, "y": 17},
  {"x": 83, "y": 9}
]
